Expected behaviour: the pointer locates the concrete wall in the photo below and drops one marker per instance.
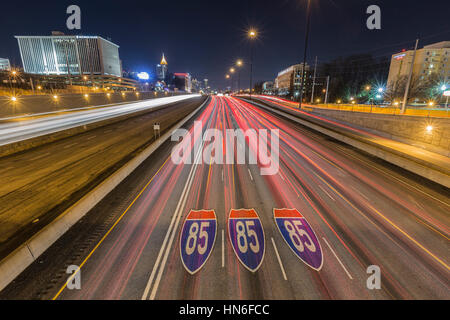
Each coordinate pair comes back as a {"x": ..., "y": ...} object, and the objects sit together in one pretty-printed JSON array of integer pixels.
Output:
[
  {"x": 407, "y": 129},
  {"x": 26, "y": 105}
]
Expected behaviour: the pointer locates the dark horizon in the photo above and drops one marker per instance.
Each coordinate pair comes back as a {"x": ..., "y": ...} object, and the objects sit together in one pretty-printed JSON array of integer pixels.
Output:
[{"x": 205, "y": 38}]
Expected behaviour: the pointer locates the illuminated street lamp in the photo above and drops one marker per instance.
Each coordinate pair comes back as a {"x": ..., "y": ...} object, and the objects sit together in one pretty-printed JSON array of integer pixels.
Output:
[
  {"x": 252, "y": 34},
  {"x": 239, "y": 64},
  {"x": 14, "y": 99},
  {"x": 232, "y": 70}
]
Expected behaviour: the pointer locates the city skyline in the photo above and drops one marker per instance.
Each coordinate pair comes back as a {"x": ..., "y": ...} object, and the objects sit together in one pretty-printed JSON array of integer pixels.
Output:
[{"x": 281, "y": 27}]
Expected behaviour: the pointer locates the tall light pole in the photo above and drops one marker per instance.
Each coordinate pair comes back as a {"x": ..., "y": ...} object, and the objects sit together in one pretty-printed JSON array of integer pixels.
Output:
[
  {"x": 232, "y": 72},
  {"x": 308, "y": 16},
  {"x": 252, "y": 34},
  {"x": 239, "y": 64},
  {"x": 408, "y": 84},
  {"x": 227, "y": 76},
  {"x": 314, "y": 82}
]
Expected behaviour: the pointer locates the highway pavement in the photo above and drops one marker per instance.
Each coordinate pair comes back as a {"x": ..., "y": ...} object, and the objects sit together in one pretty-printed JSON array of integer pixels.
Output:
[
  {"x": 23, "y": 128},
  {"x": 40, "y": 183},
  {"x": 348, "y": 215}
]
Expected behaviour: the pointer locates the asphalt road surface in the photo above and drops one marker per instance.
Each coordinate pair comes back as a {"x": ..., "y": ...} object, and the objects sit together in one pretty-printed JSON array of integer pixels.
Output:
[
  {"x": 24, "y": 128},
  {"x": 40, "y": 183},
  {"x": 363, "y": 212}
]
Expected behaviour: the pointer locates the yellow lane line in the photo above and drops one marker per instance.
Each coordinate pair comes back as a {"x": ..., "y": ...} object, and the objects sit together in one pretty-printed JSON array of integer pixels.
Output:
[{"x": 109, "y": 231}]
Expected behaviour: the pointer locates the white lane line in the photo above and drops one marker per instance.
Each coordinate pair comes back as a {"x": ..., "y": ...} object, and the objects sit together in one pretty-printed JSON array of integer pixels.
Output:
[
  {"x": 91, "y": 137},
  {"x": 279, "y": 259},
  {"x": 40, "y": 156},
  {"x": 326, "y": 193},
  {"x": 340, "y": 262},
  {"x": 106, "y": 131},
  {"x": 167, "y": 243},
  {"x": 223, "y": 249},
  {"x": 251, "y": 177},
  {"x": 222, "y": 174},
  {"x": 281, "y": 175},
  {"x": 70, "y": 145}
]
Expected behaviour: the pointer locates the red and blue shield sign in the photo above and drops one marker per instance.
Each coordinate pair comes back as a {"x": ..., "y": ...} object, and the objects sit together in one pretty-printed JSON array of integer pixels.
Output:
[
  {"x": 197, "y": 239},
  {"x": 247, "y": 237},
  {"x": 300, "y": 237}
]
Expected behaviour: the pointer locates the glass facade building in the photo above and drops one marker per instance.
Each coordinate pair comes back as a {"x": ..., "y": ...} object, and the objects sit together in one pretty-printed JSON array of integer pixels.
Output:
[{"x": 74, "y": 55}]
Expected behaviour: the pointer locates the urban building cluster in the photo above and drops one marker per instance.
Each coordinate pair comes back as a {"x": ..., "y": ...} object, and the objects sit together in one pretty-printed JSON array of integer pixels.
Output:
[
  {"x": 365, "y": 79},
  {"x": 75, "y": 63}
]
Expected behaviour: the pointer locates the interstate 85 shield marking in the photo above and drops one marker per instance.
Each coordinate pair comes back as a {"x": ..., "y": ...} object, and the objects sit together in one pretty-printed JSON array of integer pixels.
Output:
[
  {"x": 247, "y": 237},
  {"x": 197, "y": 239},
  {"x": 300, "y": 237}
]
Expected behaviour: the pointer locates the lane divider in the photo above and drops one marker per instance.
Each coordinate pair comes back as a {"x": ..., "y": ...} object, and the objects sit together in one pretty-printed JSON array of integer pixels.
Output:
[
  {"x": 150, "y": 291},
  {"x": 28, "y": 252}
]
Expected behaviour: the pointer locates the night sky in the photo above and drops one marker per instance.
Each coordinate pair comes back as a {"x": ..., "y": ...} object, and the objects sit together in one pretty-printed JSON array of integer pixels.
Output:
[{"x": 205, "y": 37}]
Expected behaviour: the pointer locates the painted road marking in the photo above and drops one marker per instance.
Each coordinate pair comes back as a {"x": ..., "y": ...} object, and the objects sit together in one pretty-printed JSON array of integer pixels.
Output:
[
  {"x": 91, "y": 137},
  {"x": 109, "y": 231},
  {"x": 323, "y": 189},
  {"x": 170, "y": 234},
  {"x": 247, "y": 237},
  {"x": 197, "y": 239},
  {"x": 299, "y": 236},
  {"x": 222, "y": 174},
  {"x": 40, "y": 156},
  {"x": 70, "y": 145},
  {"x": 279, "y": 259},
  {"x": 223, "y": 249},
  {"x": 251, "y": 177},
  {"x": 337, "y": 258}
]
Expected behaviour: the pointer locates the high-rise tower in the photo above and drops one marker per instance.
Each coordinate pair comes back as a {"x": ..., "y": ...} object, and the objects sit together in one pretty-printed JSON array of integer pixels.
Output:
[{"x": 161, "y": 69}]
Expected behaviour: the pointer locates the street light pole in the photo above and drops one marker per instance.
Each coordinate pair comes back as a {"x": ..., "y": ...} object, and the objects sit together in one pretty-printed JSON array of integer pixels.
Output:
[
  {"x": 251, "y": 69},
  {"x": 308, "y": 15},
  {"x": 239, "y": 65},
  {"x": 252, "y": 35},
  {"x": 405, "y": 98},
  {"x": 314, "y": 81}
]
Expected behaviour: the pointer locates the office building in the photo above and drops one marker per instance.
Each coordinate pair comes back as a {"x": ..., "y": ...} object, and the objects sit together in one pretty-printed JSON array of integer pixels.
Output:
[
  {"x": 431, "y": 59},
  {"x": 161, "y": 69},
  {"x": 288, "y": 81},
  {"x": 182, "y": 82},
  {"x": 4, "y": 64},
  {"x": 267, "y": 87},
  {"x": 61, "y": 54}
]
